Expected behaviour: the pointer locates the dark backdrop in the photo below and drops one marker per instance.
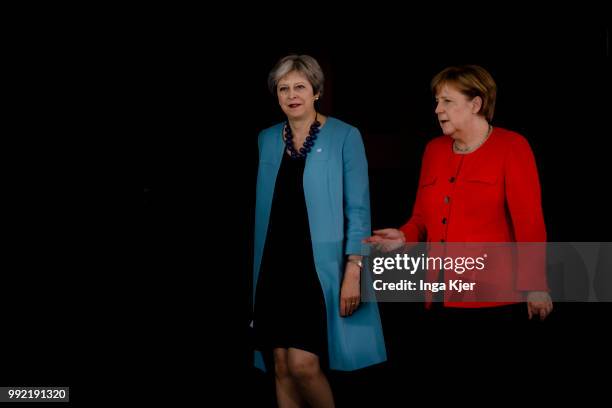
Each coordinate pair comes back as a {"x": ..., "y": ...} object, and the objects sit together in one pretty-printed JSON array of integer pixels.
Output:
[{"x": 203, "y": 104}]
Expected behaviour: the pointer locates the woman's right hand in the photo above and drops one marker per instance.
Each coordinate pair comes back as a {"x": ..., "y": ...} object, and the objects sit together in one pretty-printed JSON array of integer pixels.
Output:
[{"x": 387, "y": 239}]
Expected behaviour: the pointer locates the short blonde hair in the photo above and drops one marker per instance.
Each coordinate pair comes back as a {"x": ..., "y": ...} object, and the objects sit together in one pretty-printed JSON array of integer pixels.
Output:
[
  {"x": 472, "y": 81},
  {"x": 303, "y": 64}
]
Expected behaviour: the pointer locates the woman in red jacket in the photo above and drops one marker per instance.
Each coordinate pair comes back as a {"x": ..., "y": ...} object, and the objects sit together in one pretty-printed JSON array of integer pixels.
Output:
[{"x": 478, "y": 183}]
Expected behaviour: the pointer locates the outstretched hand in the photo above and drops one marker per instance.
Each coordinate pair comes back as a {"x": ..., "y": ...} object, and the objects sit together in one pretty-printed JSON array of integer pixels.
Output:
[{"x": 387, "y": 239}]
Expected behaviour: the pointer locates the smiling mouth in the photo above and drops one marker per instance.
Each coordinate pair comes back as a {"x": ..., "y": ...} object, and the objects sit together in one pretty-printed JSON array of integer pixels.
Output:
[{"x": 294, "y": 105}]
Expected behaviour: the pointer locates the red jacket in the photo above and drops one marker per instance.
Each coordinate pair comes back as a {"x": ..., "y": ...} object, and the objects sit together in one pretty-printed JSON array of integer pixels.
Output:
[{"x": 490, "y": 195}]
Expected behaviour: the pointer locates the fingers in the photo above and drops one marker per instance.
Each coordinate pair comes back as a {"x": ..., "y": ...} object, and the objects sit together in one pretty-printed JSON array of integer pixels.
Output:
[
  {"x": 546, "y": 310},
  {"x": 384, "y": 244},
  {"x": 529, "y": 310},
  {"x": 385, "y": 232},
  {"x": 550, "y": 307},
  {"x": 392, "y": 245},
  {"x": 348, "y": 306},
  {"x": 352, "y": 306},
  {"x": 540, "y": 309}
]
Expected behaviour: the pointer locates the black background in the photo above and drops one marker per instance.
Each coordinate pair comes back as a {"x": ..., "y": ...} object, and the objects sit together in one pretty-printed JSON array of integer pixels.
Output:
[{"x": 202, "y": 103}]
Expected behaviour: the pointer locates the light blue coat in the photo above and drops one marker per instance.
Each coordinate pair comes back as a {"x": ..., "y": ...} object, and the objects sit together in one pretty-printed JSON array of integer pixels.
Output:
[{"x": 338, "y": 203}]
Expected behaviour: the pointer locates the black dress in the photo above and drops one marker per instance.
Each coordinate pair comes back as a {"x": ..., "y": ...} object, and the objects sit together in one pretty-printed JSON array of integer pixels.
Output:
[{"x": 289, "y": 302}]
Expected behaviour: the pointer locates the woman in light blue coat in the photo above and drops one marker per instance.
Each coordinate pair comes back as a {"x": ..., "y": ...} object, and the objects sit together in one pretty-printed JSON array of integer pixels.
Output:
[{"x": 312, "y": 214}]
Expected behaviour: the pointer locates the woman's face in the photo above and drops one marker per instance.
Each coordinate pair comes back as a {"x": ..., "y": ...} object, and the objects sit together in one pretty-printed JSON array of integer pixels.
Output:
[
  {"x": 454, "y": 110},
  {"x": 295, "y": 95}
]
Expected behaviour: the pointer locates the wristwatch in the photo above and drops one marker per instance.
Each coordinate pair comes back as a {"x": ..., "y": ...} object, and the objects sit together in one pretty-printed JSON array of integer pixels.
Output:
[{"x": 356, "y": 262}]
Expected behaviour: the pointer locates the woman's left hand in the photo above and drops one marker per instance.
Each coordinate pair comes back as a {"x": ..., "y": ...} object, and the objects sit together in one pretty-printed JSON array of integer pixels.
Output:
[
  {"x": 350, "y": 293},
  {"x": 539, "y": 304}
]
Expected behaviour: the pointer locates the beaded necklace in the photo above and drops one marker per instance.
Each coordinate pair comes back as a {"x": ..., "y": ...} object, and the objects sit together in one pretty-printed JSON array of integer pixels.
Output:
[{"x": 308, "y": 143}]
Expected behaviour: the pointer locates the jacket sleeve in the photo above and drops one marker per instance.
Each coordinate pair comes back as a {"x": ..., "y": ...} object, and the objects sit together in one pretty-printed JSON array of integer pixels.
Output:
[
  {"x": 356, "y": 194},
  {"x": 415, "y": 229},
  {"x": 524, "y": 202}
]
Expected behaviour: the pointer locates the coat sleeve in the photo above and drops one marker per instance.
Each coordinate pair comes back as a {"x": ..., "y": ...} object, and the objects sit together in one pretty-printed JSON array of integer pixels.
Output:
[
  {"x": 415, "y": 229},
  {"x": 260, "y": 142},
  {"x": 356, "y": 194},
  {"x": 524, "y": 202}
]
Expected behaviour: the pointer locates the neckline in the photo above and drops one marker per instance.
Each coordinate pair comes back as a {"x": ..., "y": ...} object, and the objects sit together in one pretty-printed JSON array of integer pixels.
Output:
[
  {"x": 323, "y": 125},
  {"x": 484, "y": 142},
  {"x": 282, "y": 134}
]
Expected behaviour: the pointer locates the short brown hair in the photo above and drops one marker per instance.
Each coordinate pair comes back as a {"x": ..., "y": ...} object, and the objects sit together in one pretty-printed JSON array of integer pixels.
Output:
[{"x": 472, "y": 81}]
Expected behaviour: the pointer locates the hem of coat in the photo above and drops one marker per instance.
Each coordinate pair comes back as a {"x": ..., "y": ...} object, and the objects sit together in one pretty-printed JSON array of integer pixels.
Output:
[{"x": 259, "y": 363}]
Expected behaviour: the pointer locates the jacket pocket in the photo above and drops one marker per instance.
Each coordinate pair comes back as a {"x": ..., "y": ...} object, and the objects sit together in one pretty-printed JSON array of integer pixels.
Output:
[
  {"x": 482, "y": 191},
  {"x": 428, "y": 181},
  {"x": 483, "y": 179}
]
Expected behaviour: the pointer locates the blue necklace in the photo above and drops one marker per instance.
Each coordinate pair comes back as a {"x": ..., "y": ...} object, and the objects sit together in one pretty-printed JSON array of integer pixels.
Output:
[{"x": 308, "y": 143}]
